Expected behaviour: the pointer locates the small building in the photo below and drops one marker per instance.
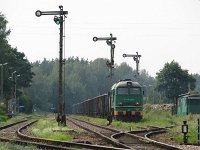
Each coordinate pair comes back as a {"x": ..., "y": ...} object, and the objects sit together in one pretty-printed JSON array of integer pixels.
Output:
[{"x": 188, "y": 103}]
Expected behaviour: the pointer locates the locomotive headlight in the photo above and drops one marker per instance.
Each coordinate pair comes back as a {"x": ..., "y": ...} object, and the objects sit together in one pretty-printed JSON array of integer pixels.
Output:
[
  {"x": 120, "y": 104},
  {"x": 129, "y": 83},
  {"x": 137, "y": 103}
]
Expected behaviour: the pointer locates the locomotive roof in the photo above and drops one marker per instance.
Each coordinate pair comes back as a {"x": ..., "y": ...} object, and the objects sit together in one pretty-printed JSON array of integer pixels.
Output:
[{"x": 125, "y": 83}]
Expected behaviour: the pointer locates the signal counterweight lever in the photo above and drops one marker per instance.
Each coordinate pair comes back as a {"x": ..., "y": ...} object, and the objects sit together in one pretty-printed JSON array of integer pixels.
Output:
[
  {"x": 110, "y": 64},
  {"x": 136, "y": 58},
  {"x": 61, "y": 118}
]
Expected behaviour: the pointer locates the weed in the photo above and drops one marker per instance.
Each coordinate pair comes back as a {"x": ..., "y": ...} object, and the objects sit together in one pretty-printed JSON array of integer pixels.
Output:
[
  {"x": 45, "y": 129},
  {"x": 190, "y": 116},
  {"x": 159, "y": 118},
  {"x": 9, "y": 146}
]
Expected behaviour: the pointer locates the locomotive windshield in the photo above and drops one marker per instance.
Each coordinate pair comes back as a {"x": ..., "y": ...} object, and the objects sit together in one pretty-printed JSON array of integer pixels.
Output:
[
  {"x": 122, "y": 91},
  {"x": 135, "y": 91},
  {"x": 126, "y": 91}
]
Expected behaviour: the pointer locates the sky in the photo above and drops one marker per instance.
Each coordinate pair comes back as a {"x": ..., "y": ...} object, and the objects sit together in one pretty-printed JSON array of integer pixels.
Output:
[{"x": 159, "y": 30}]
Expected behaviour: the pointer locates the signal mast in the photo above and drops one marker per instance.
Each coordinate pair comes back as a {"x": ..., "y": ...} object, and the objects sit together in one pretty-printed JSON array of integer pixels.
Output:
[
  {"x": 136, "y": 58},
  {"x": 61, "y": 117},
  {"x": 110, "y": 65}
]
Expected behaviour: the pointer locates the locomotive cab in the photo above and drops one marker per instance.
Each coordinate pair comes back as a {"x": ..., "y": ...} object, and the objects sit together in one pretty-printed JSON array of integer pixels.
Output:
[{"x": 127, "y": 101}]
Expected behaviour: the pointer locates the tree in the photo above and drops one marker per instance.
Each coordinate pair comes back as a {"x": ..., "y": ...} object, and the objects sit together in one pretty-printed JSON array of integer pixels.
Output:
[
  {"x": 173, "y": 80},
  {"x": 82, "y": 80},
  {"x": 197, "y": 77},
  {"x": 3, "y": 30},
  {"x": 16, "y": 62}
]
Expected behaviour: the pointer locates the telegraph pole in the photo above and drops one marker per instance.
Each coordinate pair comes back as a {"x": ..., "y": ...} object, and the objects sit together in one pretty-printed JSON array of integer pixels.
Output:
[
  {"x": 136, "y": 58},
  {"x": 110, "y": 64},
  {"x": 2, "y": 66},
  {"x": 61, "y": 117},
  {"x": 15, "y": 92}
]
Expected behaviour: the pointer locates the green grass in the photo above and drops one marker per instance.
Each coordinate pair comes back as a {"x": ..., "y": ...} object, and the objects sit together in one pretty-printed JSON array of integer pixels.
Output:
[
  {"x": 150, "y": 119},
  {"x": 158, "y": 118},
  {"x": 9, "y": 120},
  {"x": 8, "y": 146},
  {"x": 45, "y": 128},
  {"x": 3, "y": 116},
  {"x": 192, "y": 128}
]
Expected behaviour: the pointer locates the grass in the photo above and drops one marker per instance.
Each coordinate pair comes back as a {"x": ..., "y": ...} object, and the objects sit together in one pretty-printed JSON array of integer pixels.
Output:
[
  {"x": 10, "y": 120},
  {"x": 45, "y": 128},
  {"x": 3, "y": 117},
  {"x": 150, "y": 119},
  {"x": 8, "y": 146},
  {"x": 158, "y": 118},
  {"x": 192, "y": 129}
]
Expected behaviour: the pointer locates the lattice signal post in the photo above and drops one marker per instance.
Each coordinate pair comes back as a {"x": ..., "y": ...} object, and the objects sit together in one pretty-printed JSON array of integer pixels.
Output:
[
  {"x": 61, "y": 118},
  {"x": 136, "y": 58},
  {"x": 110, "y": 64},
  {"x": 109, "y": 40}
]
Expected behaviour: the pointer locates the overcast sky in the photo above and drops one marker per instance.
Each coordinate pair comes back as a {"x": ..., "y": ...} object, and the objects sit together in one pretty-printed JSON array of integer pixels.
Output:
[{"x": 159, "y": 30}]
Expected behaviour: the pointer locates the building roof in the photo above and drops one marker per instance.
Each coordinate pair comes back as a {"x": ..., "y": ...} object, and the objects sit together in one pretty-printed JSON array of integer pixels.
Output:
[{"x": 190, "y": 96}]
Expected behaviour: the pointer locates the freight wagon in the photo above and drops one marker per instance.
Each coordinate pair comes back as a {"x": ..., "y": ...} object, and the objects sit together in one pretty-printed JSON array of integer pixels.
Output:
[
  {"x": 124, "y": 102},
  {"x": 96, "y": 107}
]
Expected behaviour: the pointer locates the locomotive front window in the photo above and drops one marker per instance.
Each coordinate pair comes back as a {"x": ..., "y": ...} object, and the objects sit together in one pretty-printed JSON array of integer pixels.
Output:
[
  {"x": 135, "y": 91},
  {"x": 122, "y": 91}
]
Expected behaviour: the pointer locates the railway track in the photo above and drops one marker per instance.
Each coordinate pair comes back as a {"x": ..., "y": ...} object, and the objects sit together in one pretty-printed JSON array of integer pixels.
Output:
[
  {"x": 104, "y": 132},
  {"x": 141, "y": 139},
  {"x": 131, "y": 140},
  {"x": 36, "y": 144},
  {"x": 13, "y": 133},
  {"x": 59, "y": 144},
  {"x": 9, "y": 131},
  {"x": 138, "y": 140}
]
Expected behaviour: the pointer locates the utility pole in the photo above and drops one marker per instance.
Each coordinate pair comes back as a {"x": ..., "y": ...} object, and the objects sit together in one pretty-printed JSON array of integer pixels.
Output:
[
  {"x": 1, "y": 65},
  {"x": 15, "y": 94},
  {"x": 61, "y": 118},
  {"x": 110, "y": 64},
  {"x": 11, "y": 104},
  {"x": 136, "y": 58}
]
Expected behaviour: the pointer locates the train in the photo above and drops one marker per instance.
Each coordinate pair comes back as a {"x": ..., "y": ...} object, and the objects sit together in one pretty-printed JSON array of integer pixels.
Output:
[{"x": 123, "y": 102}]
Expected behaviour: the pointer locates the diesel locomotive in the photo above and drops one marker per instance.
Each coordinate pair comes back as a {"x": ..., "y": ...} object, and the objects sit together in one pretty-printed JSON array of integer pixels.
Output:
[{"x": 123, "y": 102}]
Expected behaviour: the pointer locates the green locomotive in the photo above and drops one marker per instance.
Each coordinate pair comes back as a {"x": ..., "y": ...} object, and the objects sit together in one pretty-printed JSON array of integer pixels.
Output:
[
  {"x": 124, "y": 102},
  {"x": 127, "y": 100}
]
